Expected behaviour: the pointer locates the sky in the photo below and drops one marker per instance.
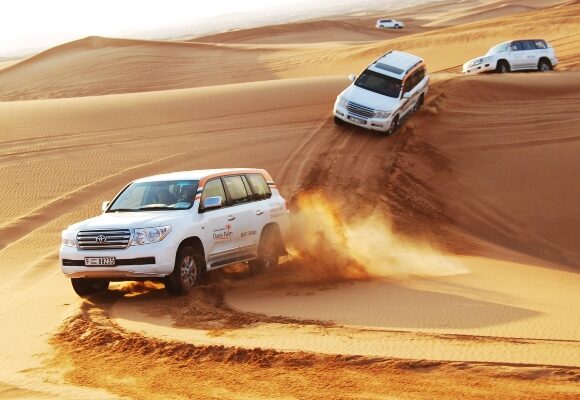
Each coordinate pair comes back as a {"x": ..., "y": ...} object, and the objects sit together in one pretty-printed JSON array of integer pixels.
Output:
[{"x": 30, "y": 25}]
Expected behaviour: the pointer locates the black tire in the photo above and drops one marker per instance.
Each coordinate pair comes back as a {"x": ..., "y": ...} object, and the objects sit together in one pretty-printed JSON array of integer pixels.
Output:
[
  {"x": 394, "y": 126},
  {"x": 338, "y": 121},
  {"x": 397, "y": 27},
  {"x": 502, "y": 67},
  {"x": 85, "y": 286},
  {"x": 268, "y": 251},
  {"x": 544, "y": 65},
  {"x": 418, "y": 104},
  {"x": 188, "y": 271}
]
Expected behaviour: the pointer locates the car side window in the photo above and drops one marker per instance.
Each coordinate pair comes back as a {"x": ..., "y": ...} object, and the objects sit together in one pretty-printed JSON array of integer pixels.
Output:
[
  {"x": 516, "y": 46},
  {"x": 540, "y": 44},
  {"x": 236, "y": 189},
  {"x": 260, "y": 186},
  {"x": 213, "y": 188},
  {"x": 528, "y": 45}
]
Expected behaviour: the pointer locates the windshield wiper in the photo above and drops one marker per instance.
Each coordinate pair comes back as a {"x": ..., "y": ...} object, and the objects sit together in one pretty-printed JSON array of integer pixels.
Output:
[{"x": 146, "y": 208}]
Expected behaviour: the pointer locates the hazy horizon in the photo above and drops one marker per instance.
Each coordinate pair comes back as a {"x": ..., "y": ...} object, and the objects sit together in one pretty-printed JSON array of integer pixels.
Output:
[{"x": 31, "y": 26}]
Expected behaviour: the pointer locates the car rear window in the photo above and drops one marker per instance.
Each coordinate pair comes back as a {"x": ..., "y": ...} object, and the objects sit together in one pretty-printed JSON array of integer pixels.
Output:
[
  {"x": 260, "y": 186},
  {"x": 540, "y": 44}
]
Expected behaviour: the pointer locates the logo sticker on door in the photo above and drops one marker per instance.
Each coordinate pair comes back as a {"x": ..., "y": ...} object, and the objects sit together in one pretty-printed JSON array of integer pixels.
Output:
[{"x": 223, "y": 233}]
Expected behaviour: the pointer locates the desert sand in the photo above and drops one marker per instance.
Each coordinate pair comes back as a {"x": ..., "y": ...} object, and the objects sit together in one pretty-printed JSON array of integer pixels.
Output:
[{"x": 441, "y": 262}]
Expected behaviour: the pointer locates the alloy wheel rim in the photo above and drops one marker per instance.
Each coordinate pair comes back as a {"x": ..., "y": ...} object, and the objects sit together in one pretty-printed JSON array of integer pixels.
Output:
[{"x": 188, "y": 271}]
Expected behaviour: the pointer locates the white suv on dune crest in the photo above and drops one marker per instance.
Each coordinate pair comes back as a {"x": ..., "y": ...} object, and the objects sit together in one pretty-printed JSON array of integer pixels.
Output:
[
  {"x": 174, "y": 227},
  {"x": 390, "y": 89},
  {"x": 390, "y": 24},
  {"x": 515, "y": 55}
]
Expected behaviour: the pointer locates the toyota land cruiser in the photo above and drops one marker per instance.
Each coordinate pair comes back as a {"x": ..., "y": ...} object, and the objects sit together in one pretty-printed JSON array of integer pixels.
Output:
[
  {"x": 174, "y": 227},
  {"x": 387, "y": 91},
  {"x": 536, "y": 54}
]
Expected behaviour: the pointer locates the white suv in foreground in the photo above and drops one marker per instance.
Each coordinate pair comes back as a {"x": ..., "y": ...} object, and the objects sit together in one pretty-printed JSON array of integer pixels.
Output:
[
  {"x": 534, "y": 54},
  {"x": 390, "y": 24},
  {"x": 387, "y": 91},
  {"x": 174, "y": 227}
]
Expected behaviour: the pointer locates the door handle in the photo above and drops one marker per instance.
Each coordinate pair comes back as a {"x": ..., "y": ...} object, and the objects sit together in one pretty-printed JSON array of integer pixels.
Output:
[
  {"x": 259, "y": 212},
  {"x": 231, "y": 218}
]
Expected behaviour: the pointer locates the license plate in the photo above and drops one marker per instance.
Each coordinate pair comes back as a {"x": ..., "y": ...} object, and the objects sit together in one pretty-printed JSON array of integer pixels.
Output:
[
  {"x": 99, "y": 261},
  {"x": 357, "y": 120}
]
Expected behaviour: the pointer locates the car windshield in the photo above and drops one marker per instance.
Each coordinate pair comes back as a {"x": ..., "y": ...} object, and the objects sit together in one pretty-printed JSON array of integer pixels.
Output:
[
  {"x": 500, "y": 48},
  {"x": 155, "y": 196},
  {"x": 379, "y": 83}
]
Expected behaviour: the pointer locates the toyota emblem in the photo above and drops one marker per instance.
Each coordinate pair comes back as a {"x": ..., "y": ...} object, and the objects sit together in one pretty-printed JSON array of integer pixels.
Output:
[{"x": 101, "y": 239}]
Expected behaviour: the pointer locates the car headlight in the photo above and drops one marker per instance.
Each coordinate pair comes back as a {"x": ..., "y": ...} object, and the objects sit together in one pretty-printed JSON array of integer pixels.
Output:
[
  {"x": 69, "y": 238},
  {"x": 150, "y": 235},
  {"x": 342, "y": 101},
  {"x": 382, "y": 114}
]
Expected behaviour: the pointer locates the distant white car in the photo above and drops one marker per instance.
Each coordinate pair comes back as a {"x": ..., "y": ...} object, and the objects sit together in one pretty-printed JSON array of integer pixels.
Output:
[
  {"x": 175, "y": 227},
  {"x": 388, "y": 90},
  {"x": 515, "y": 55},
  {"x": 390, "y": 24}
]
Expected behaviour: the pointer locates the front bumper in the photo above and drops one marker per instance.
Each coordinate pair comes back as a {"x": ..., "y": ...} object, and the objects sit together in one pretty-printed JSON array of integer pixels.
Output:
[
  {"x": 375, "y": 124},
  {"x": 478, "y": 69},
  {"x": 146, "y": 261}
]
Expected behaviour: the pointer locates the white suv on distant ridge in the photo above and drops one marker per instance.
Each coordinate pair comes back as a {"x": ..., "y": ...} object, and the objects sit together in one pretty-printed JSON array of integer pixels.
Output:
[
  {"x": 390, "y": 23},
  {"x": 174, "y": 227},
  {"x": 389, "y": 89},
  {"x": 535, "y": 54}
]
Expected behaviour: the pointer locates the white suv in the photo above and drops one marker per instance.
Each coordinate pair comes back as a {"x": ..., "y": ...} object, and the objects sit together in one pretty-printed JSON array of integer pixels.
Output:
[
  {"x": 534, "y": 54},
  {"x": 174, "y": 227},
  {"x": 390, "y": 23},
  {"x": 387, "y": 91}
]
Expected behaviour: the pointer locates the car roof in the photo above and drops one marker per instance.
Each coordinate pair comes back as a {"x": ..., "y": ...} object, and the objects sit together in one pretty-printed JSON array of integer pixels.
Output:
[
  {"x": 200, "y": 174},
  {"x": 395, "y": 64}
]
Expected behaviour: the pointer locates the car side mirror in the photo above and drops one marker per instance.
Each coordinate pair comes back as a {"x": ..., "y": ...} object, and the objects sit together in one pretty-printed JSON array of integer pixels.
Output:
[
  {"x": 407, "y": 95},
  {"x": 352, "y": 77},
  {"x": 212, "y": 202},
  {"x": 105, "y": 205}
]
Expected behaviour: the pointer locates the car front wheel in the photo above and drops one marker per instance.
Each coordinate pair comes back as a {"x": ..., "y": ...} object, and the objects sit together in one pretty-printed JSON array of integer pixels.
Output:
[
  {"x": 85, "y": 286},
  {"x": 187, "y": 273},
  {"x": 394, "y": 126},
  {"x": 502, "y": 67}
]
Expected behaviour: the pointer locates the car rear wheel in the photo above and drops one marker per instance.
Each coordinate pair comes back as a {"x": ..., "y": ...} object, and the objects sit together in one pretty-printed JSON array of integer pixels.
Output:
[
  {"x": 544, "y": 65},
  {"x": 394, "y": 126},
  {"x": 187, "y": 273},
  {"x": 86, "y": 286},
  {"x": 502, "y": 67},
  {"x": 268, "y": 251}
]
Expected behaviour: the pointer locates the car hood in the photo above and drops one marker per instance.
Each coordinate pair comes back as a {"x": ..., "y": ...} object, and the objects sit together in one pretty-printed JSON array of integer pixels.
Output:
[
  {"x": 370, "y": 99},
  {"x": 120, "y": 220}
]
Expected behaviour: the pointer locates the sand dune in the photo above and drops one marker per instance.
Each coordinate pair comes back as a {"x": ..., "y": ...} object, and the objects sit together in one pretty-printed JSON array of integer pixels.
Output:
[
  {"x": 478, "y": 185},
  {"x": 98, "y": 66}
]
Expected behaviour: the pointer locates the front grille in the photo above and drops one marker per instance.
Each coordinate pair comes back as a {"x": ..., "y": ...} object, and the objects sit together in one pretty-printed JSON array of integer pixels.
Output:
[
  {"x": 360, "y": 111},
  {"x": 104, "y": 239}
]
